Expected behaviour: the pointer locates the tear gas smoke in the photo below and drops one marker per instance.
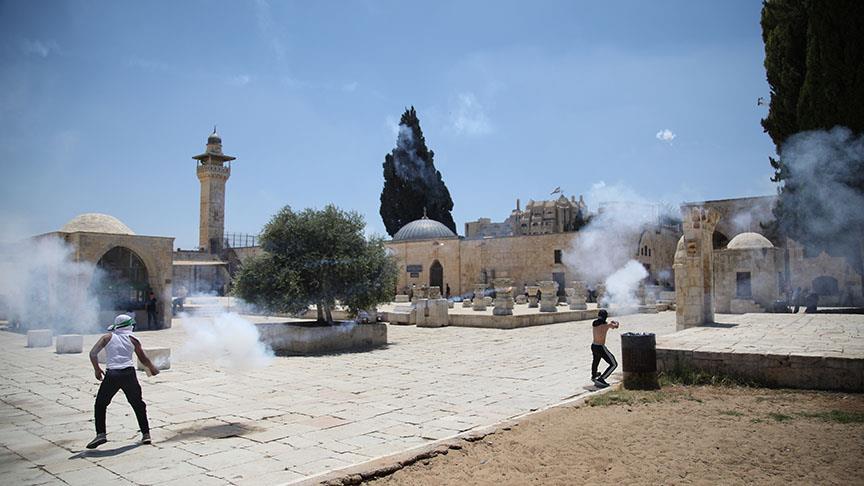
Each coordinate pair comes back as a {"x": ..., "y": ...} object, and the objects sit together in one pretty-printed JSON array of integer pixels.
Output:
[
  {"x": 44, "y": 288},
  {"x": 603, "y": 250},
  {"x": 823, "y": 194},
  {"x": 227, "y": 340}
]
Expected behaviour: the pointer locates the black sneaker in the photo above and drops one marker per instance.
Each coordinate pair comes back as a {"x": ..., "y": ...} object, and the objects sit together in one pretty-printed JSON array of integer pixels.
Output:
[
  {"x": 99, "y": 440},
  {"x": 600, "y": 382},
  {"x": 145, "y": 439}
]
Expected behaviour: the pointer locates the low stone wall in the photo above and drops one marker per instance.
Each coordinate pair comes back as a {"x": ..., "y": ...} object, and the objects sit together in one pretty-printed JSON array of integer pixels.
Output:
[
  {"x": 294, "y": 338},
  {"x": 776, "y": 370},
  {"x": 517, "y": 321}
]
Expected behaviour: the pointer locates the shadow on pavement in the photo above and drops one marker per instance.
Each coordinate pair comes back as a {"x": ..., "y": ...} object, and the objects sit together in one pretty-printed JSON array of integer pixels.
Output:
[{"x": 104, "y": 452}]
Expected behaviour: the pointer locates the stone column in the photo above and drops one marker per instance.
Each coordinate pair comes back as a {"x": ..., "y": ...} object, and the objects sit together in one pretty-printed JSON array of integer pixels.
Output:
[
  {"x": 503, "y": 297},
  {"x": 694, "y": 269},
  {"x": 532, "y": 295},
  {"x": 479, "y": 303},
  {"x": 577, "y": 300},
  {"x": 420, "y": 292},
  {"x": 548, "y": 296}
]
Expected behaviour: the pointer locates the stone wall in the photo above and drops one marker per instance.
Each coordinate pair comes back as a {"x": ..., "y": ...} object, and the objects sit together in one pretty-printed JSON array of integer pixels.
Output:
[
  {"x": 803, "y": 271},
  {"x": 792, "y": 371},
  {"x": 525, "y": 259},
  {"x": 694, "y": 268}
]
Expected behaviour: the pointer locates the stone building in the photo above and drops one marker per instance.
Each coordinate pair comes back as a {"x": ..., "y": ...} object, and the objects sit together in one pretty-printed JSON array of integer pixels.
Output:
[
  {"x": 749, "y": 273},
  {"x": 131, "y": 265},
  {"x": 538, "y": 218},
  {"x": 428, "y": 253}
]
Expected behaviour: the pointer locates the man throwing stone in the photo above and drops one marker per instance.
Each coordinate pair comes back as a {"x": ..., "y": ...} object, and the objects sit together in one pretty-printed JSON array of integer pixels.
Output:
[
  {"x": 119, "y": 344},
  {"x": 599, "y": 349}
]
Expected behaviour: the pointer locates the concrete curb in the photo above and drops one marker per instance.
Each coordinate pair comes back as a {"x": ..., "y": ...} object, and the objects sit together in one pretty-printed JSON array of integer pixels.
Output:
[{"x": 386, "y": 465}]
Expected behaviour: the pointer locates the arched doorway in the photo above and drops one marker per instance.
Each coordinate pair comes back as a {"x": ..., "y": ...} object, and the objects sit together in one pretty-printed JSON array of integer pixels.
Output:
[
  {"x": 122, "y": 281},
  {"x": 436, "y": 275}
]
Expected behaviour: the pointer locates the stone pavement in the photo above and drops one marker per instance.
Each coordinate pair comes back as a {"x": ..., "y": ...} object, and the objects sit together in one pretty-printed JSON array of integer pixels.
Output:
[
  {"x": 297, "y": 417},
  {"x": 814, "y": 351}
]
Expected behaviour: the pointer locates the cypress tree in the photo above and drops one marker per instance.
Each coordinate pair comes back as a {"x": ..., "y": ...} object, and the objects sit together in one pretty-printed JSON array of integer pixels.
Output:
[
  {"x": 412, "y": 185},
  {"x": 814, "y": 61}
]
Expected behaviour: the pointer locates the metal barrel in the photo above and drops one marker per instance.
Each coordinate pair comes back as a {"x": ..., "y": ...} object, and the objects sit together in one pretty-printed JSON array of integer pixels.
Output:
[{"x": 639, "y": 361}]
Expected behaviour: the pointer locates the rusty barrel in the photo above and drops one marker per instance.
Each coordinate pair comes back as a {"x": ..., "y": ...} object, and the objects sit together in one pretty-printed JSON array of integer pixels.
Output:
[{"x": 639, "y": 361}]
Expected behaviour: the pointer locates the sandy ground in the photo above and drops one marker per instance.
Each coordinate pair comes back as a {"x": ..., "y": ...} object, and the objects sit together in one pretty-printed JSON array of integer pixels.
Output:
[{"x": 680, "y": 435}]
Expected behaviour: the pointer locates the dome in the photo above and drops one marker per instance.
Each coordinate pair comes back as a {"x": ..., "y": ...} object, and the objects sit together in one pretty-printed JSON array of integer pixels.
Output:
[
  {"x": 96, "y": 223},
  {"x": 423, "y": 229},
  {"x": 749, "y": 241},
  {"x": 214, "y": 137}
]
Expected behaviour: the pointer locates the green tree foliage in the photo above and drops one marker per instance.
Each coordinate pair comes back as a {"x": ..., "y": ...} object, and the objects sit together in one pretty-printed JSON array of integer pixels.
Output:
[
  {"x": 814, "y": 61},
  {"x": 317, "y": 257},
  {"x": 411, "y": 182}
]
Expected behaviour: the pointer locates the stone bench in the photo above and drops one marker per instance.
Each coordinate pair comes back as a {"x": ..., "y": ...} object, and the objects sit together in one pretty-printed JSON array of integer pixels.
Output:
[
  {"x": 402, "y": 298},
  {"x": 40, "y": 338},
  {"x": 160, "y": 357},
  {"x": 69, "y": 344}
]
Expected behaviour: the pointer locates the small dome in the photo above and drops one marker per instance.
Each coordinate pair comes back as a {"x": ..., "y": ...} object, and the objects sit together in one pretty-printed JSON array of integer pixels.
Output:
[
  {"x": 749, "y": 241},
  {"x": 214, "y": 138},
  {"x": 96, "y": 223},
  {"x": 423, "y": 229}
]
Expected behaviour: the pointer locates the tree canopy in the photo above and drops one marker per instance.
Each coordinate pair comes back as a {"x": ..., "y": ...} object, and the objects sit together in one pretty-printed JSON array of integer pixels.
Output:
[
  {"x": 411, "y": 182},
  {"x": 814, "y": 61},
  {"x": 317, "y": 257}
]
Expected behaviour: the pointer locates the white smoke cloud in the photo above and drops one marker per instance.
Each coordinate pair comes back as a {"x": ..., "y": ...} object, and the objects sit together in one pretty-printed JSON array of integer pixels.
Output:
[
  {"x": 227, "y": 340},
  {"x": 603, "y": 251},
  {"x": 824, "y": 165},
  {"x": 43, "y": 288},
  {"x": 666, "y": 135},
  {"x": 469, "y": 117}
]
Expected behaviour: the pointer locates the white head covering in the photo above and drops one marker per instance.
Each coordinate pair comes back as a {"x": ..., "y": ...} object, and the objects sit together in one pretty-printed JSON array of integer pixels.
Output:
[{"x": 122, "y": 321}]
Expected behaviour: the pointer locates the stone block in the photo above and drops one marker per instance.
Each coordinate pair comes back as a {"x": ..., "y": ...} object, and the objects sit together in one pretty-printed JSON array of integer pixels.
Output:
[
  {"x": 402, "y": 299},
  {"x": 40, "y": 338},
  {"x": 466, "y": 303},
  {"x": 521, "y": 299},
  {"x": 432, "y": 313},
  {"x": 160, "y": 357},
  {"x": 70, "y": 344}
]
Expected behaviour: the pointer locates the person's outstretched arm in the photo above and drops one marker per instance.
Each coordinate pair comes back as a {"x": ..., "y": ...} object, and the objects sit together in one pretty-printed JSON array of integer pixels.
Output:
[{"x": 142, "y": 357}]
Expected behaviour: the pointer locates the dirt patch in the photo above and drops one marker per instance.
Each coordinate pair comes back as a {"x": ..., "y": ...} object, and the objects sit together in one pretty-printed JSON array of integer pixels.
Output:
[{"x": 679, "y": 435}]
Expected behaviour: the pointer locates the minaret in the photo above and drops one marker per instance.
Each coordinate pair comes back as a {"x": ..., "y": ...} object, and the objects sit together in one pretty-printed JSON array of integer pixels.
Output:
[{"x": 213, "y": 173}]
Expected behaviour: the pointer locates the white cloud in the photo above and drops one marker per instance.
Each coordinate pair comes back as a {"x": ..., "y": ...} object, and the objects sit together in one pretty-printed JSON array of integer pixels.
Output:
[
  {"x": 350, "y": 87},
  {"x": 241, "y": 80},
  {"x": 39, "y": 48},
  {"x": 468, "y": 116},
  {"x": 665, "y": 135}
]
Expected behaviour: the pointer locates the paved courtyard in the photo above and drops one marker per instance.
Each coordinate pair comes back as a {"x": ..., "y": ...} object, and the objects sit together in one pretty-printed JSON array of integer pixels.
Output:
[{"x": 299, "y": 416}]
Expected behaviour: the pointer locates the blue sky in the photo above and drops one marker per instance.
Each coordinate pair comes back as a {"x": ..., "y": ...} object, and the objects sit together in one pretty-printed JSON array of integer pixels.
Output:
[{"x": 103, "y": 104}]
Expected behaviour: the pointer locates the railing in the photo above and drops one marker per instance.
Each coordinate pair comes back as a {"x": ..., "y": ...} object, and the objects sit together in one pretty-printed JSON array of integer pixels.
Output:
[{"x": 240, "y": 240}]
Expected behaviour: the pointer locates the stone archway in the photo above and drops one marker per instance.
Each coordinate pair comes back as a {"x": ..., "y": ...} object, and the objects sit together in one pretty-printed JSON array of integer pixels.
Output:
[
  {"x": 123, "y": 280},
  {"x": 436, "y": 275}
]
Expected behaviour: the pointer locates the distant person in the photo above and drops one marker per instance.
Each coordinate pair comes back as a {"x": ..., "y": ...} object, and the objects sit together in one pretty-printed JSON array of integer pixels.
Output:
[
  {"x": 150, "y": 305},
  {"x": 599, "y": 350},
  {"x": 119, "y": 344},
  {"x": 447, "y": 291},
  {"x": 811, "y": 301},
  {"x": 796, "y": 299}
]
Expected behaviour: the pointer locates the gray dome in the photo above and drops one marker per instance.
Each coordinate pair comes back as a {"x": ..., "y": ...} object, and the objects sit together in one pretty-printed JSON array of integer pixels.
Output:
[
  {"x": 749, "y": 241},
  {"x": 423, "y": 229},
  {"x": 96, "y": 223}
]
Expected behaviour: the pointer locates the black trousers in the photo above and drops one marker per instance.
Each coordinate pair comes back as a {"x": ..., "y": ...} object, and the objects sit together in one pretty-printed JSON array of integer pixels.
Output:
[
  {"x": 114, "y": 381},
  {"x": 602, "y": 352},
  {"x": 151, "y": 318}
]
